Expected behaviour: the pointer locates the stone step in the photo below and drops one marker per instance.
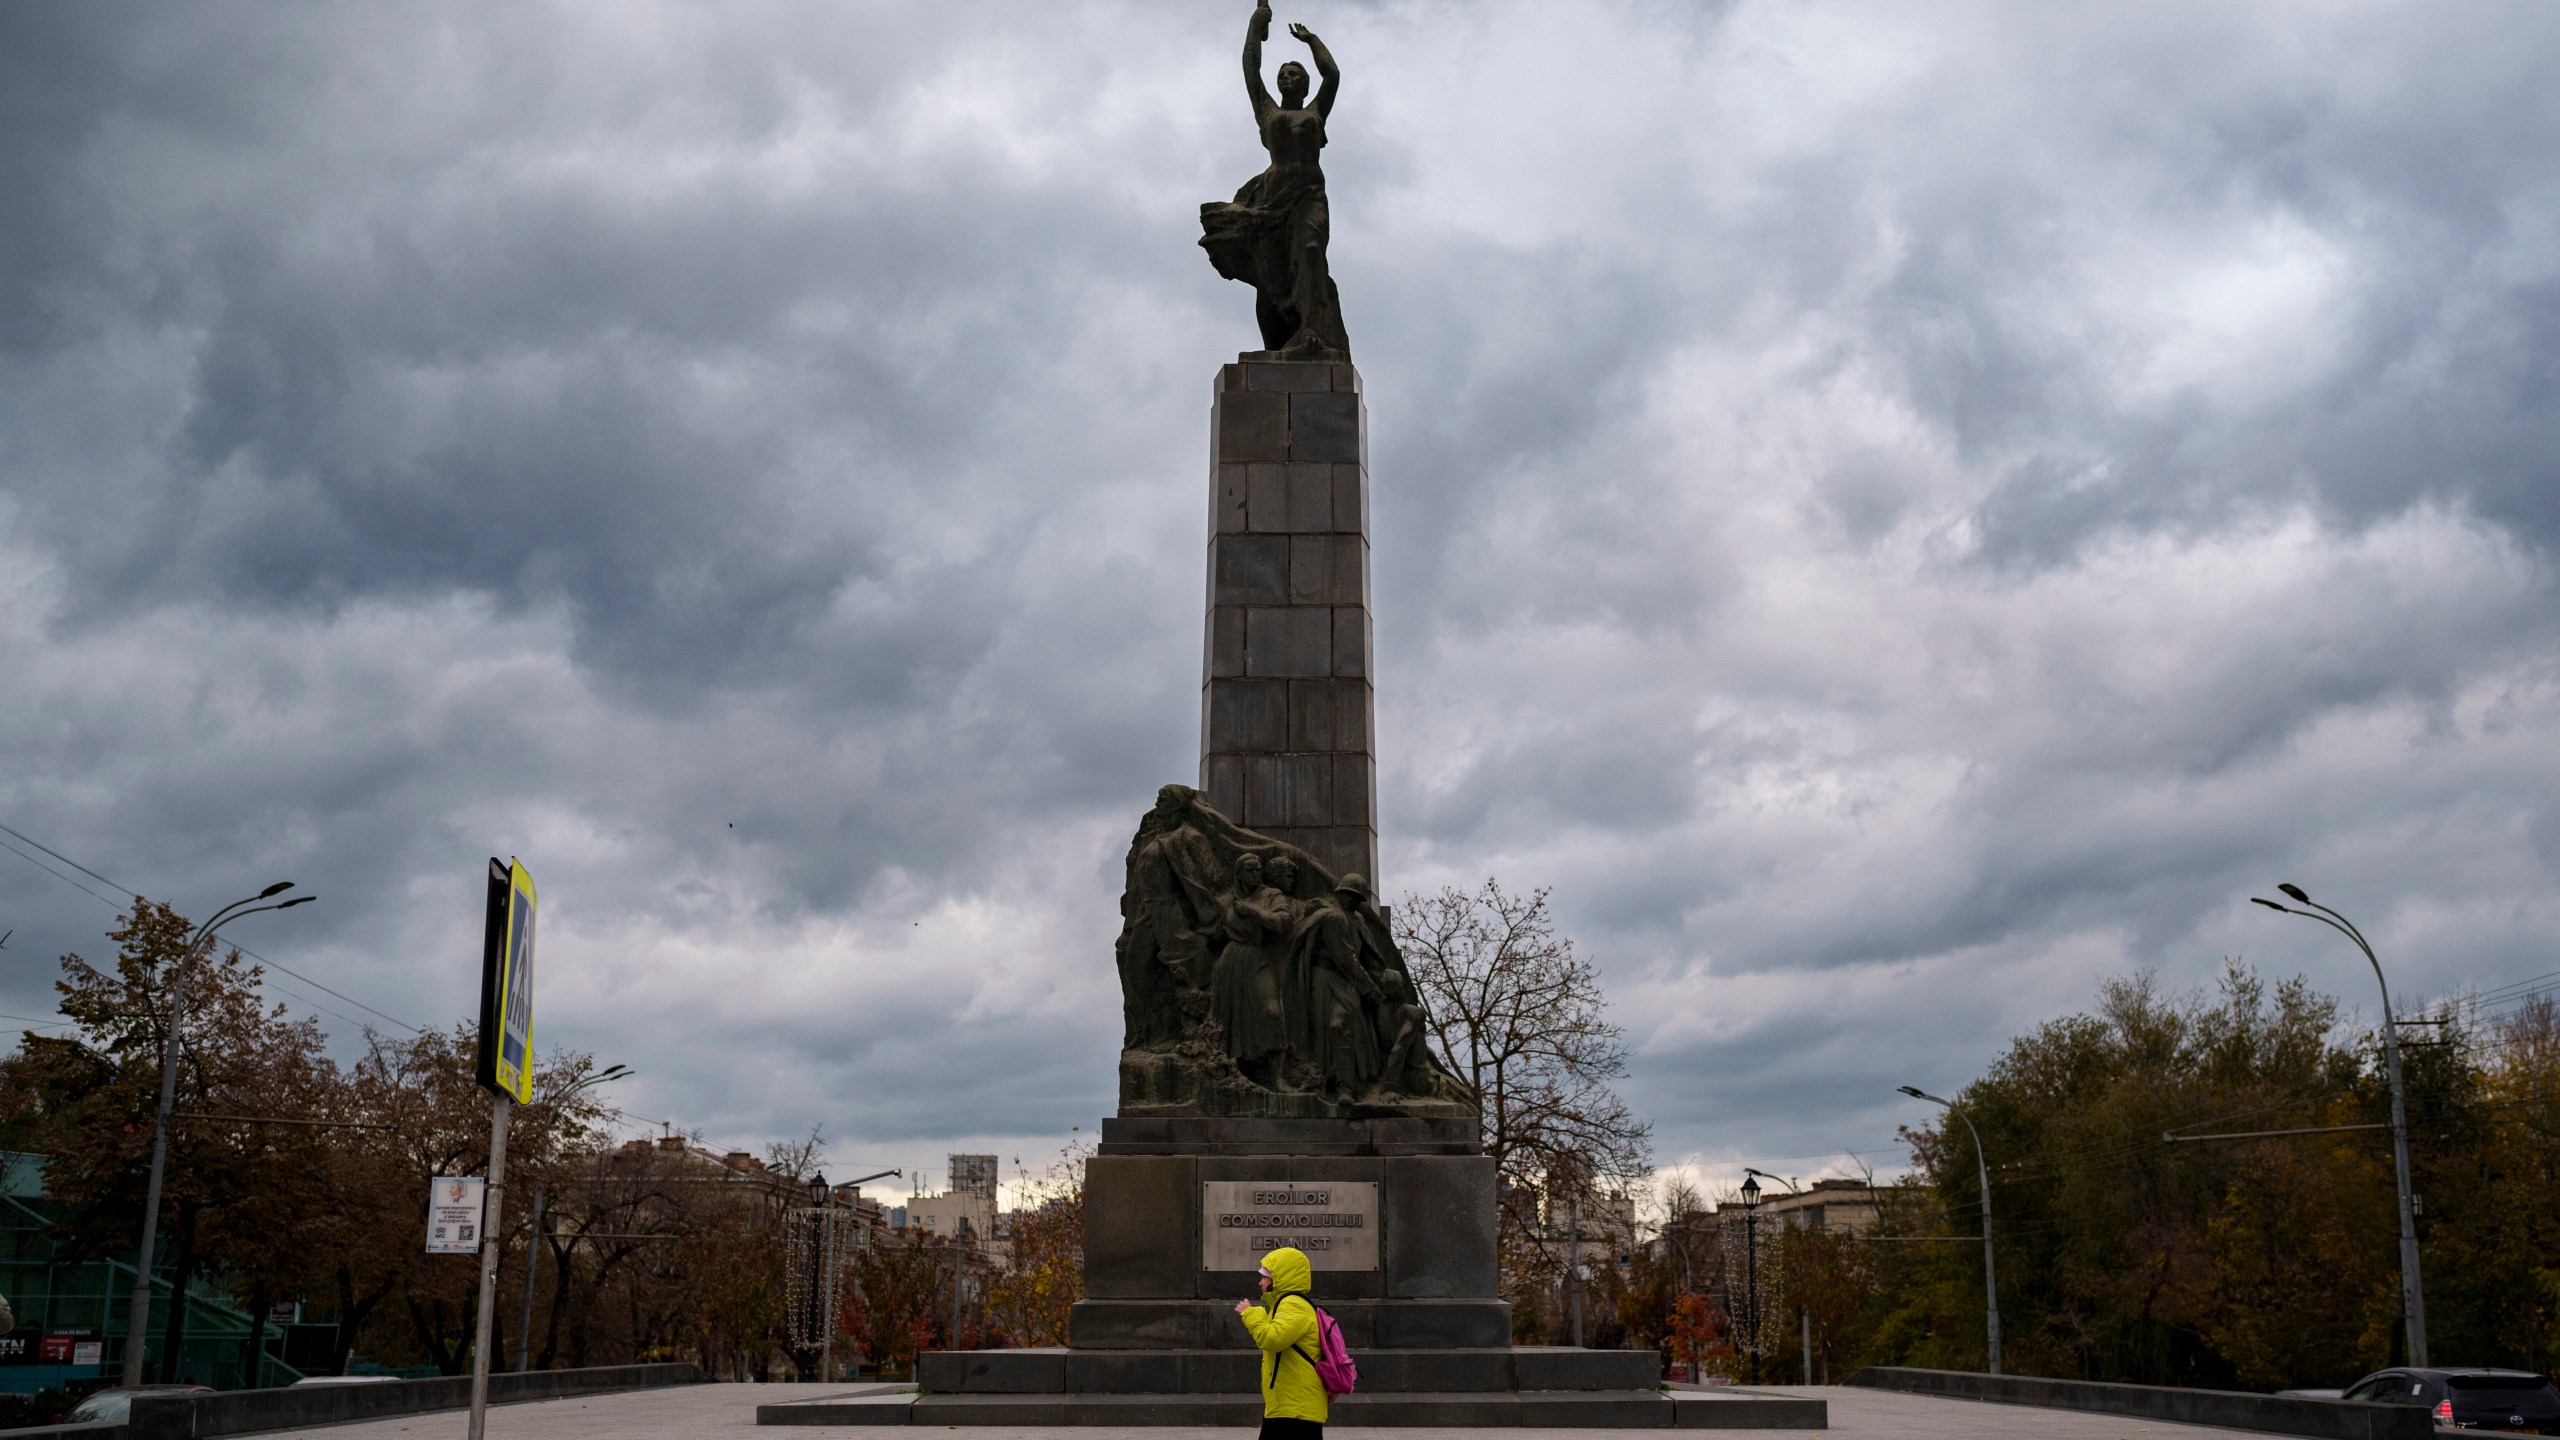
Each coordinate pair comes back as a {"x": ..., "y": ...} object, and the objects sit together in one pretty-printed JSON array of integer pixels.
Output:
[
  {"x": 1580, "y": 1410},
  {"x": 1204, "y": 1135},
  {"x": 1237, "y": 1372},
  {"x": 1366, "y": 1324}
]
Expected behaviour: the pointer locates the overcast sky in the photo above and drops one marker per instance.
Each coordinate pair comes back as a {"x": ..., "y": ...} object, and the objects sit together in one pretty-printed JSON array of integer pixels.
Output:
[{"x": 1896, "y": 513}]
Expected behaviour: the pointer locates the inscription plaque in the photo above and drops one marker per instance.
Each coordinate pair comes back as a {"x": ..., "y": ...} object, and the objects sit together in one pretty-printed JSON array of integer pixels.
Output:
[{"x": 1334, "y": 1221}]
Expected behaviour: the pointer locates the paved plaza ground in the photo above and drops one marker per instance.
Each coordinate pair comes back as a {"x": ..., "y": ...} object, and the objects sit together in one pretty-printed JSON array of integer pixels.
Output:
[{"x": 728, "y": 1412}]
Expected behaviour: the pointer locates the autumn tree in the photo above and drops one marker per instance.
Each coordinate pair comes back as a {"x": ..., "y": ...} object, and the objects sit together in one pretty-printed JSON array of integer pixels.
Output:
[
  {"x": 894, "y": 1309},
  {"x": 2263, "y": 1262},
  {"x": 1699, "y": 1337},
  {"x": 1029, "y": 1304},
  {"x": 1519, "y": 1017},
  {"x": 233, "y": 1187}
]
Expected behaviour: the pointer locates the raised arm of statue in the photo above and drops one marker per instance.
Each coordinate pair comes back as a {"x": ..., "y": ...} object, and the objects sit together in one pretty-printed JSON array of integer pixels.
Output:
[
  {"x": 1257, "y": 30},
  {"x": 1325, "y": 68}
]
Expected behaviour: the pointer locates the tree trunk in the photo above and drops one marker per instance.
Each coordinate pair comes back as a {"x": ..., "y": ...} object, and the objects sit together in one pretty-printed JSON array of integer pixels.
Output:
[
  {"x": 560, "y": 1279},
  {"x": 174, "y": 1337},
  {"x": 351, "y": 1314},
  {"x": 254, "y": 1349},
  {"x": 427, "y": 1321}
]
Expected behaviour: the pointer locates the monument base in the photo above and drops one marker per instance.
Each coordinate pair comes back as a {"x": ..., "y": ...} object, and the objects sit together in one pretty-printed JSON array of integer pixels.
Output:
[
  {"x": 1626, "y": 1409},
  {"x": 1397, "y": 1214}
]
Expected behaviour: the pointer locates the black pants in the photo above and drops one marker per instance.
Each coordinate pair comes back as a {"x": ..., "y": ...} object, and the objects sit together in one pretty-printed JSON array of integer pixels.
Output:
[{"x": 1275, "y": 1428}]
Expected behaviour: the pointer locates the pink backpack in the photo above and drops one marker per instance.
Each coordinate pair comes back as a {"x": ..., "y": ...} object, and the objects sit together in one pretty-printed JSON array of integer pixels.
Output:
[{"x": 1334, "y": 1367}]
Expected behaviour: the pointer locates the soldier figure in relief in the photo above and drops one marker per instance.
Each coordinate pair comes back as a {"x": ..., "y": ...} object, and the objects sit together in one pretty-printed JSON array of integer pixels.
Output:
[{"x": 1256, "y": 984}]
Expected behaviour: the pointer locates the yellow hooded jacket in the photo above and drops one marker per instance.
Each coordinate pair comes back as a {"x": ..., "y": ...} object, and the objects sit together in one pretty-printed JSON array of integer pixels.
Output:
[{"x": 1286, "y": 1333}]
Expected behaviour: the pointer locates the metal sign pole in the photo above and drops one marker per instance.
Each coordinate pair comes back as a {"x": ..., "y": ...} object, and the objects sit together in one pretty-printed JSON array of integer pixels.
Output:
[{"x": 493, "y": 1210}]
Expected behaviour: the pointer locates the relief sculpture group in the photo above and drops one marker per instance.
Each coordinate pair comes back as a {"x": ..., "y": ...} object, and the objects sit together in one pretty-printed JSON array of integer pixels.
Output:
[{"x": 1255, "y": 982}]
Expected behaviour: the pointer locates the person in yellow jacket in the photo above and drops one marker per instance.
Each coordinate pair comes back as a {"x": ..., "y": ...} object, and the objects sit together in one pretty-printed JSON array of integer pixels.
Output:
[{"x": 1293, "y": 1399}]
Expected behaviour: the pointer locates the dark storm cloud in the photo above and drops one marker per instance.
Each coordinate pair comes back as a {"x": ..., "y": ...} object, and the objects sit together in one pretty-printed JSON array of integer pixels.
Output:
[{"x": 1894, "y": 516}]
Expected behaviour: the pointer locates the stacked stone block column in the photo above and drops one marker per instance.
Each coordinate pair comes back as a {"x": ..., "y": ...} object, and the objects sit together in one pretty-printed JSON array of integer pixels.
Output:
[{"x": 1286, "y": 734}]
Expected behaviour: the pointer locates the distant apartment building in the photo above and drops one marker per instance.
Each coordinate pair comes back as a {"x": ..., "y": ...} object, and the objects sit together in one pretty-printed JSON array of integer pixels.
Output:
[
  {"x": 967, "y": 1209},
  {"x": 1852, "y": 1206},
  {"x": 1606, "y": 1219}
]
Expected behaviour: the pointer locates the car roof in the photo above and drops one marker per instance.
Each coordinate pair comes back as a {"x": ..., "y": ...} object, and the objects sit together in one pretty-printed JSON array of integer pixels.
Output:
[{"x": 2489, "y": 1371}]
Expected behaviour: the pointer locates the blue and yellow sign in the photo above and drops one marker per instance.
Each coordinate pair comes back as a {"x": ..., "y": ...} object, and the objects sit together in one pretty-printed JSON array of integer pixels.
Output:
[{"x": 506, "y": 983}]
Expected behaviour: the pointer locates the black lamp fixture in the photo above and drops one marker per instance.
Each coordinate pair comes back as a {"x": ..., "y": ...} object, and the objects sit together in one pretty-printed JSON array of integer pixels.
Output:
[
  {"x": 818, "y": 1188},
  {"x": 1750, "y": 1193}
]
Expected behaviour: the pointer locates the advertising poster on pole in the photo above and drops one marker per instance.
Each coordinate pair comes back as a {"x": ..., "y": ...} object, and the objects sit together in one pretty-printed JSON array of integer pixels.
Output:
[
  {"x": 506, "y": 983},
  {"x": 453, "y": 1214}
]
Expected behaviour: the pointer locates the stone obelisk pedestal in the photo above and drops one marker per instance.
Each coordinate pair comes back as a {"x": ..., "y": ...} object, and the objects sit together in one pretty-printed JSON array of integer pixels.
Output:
[
  {"x": 1285, "y": 699},
  {"x": 1393, "y": 1202},
  {"x": 1397, "y": 1216}
]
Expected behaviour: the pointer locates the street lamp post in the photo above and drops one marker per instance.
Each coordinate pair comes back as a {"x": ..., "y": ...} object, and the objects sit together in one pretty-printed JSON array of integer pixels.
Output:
[
  {"x": 1573, "y": 1260},
  {"x": 2413, "y": 1295},
  {"x": 533, "y": 1232},
  {"x": 138, "y": 1310},
  {"x": 1751, "y": 1269},
  {"x": 823, "y": 1286},
  {"x": 825, "y": 1263},
  {"x": 1990, "y": 1279},
  {"x": 1804, "y": 1311}
]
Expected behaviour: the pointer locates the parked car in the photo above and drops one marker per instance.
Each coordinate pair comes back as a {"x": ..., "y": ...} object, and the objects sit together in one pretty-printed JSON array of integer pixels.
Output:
[
  {"x": 116, "y": 1406},
  {"x": 2470, "y": 1399}
]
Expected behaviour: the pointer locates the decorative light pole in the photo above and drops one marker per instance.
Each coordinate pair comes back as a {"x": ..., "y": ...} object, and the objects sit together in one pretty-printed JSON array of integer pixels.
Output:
[
  {"x": 1990, "y": 1279},
  {"x": 2413, "y": 1294},
  {"x": 138, "y": 1310},
  {"x": 823, "y": 1286},
  {"x": 810, "y": 1295},
  {"x": 1804, "y": 1310},
  {"x": 1751, "y": 1269},
  {"x": 1573, "y": 1261}
]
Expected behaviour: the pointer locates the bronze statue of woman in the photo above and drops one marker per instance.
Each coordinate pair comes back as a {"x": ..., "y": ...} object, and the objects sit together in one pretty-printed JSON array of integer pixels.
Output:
[
  {"x": 1244, "y": 984},
  {"x": 1273, "y": 234}
]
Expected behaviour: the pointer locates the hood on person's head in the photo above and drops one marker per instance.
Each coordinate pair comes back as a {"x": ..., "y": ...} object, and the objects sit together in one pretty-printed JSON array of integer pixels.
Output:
[{"x": 1290, "y": 1272}]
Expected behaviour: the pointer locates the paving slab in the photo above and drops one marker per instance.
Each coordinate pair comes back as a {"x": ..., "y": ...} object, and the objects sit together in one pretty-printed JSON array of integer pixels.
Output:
[
  {"x": 1859, "y": 1414},
  {"x": 728, "y": 1412}
]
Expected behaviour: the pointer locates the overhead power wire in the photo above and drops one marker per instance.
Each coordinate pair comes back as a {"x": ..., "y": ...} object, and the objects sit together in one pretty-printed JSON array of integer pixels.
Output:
[
  {"x": 65, "y": 859},
  {"x": 56, "y": 874},
  {"x": 243, "y": 949},
  {"x": 316, "y": 985}
]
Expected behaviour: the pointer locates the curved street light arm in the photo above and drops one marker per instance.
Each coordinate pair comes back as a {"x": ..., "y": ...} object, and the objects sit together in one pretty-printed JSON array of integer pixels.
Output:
[
  {"x": 221, "y": 917},
  {"x": 2413, "y": 1299},
  {"x": 1781, "y": 1179},
  {"x": 224, "y": 916},
  {"x": 1990, "y": 1276},
  {"x": 2346, "y": 927},
  {"x": 1979, "y": 1157},
  {"x": 2349, "y": 928}
]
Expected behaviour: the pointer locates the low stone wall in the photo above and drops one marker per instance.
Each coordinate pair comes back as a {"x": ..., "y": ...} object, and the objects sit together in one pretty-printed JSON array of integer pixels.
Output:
[
  {"x": 2227, "y": 1409},
  {"x": 94, "y": 1430},
  {"x": 246, "y": 1412}
]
